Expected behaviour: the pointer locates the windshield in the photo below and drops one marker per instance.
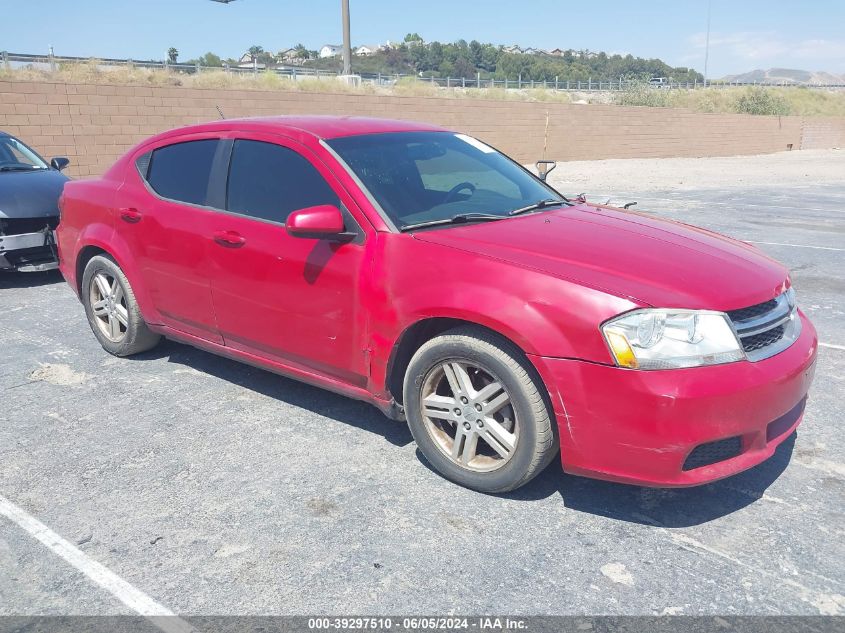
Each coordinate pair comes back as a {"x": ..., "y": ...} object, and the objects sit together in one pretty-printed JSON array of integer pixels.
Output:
[
  {"x": 15, "y": 156},
  {"x": 421, "y": 177}
]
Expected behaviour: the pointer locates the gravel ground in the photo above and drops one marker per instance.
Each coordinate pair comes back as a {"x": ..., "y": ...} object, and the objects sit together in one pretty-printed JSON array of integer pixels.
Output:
[
  {"x": 216, "y": 488},
  {"x": 790, "y": 169}
]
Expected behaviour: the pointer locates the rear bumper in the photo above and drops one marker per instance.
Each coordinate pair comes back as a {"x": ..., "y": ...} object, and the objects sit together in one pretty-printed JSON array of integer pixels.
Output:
[
  {"x": 642, "y": 427},
  {"x": 28, "y": 252}
]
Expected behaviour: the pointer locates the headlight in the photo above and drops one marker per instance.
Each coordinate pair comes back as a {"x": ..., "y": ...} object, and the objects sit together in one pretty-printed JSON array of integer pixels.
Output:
[{"x": 670, "y": 339}]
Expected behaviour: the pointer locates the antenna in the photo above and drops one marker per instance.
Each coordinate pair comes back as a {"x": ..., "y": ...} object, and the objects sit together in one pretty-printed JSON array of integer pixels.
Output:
[{"x": 220, "y": 112}]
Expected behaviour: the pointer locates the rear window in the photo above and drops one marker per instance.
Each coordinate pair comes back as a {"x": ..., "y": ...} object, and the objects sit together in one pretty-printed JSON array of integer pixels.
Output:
[{"x": 181, "y": 171}]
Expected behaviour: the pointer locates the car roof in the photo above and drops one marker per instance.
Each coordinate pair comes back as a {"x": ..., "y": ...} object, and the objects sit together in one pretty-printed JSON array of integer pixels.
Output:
[{"x": 322, "y": 127}]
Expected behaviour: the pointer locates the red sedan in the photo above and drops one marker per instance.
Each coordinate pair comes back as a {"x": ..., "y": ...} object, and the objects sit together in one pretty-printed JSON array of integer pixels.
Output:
[{"x": 425, "y": 272}]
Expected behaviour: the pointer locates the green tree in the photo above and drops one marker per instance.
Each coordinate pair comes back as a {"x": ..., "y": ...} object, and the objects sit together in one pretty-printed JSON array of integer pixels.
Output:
[
  {"x": 464, "y": 68},
  {"x": 489, "y": 57},
  {"x": 255, "y": 50},
  {"x": 172, "y": 55},
  {"x": 435, "y": 55},
  {"x": 301, "y": 52},
  {"x": 475, "y": 51},
  {"x": 211, "y": 60}
]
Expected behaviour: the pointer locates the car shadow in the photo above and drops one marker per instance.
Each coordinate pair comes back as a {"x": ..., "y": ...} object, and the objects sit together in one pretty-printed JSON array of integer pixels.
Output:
[
  {"x": 29, "y": 280},
  {"x": 662, "y": 507},
  {"x": 355, "y": 413},
  {"x": 659, "y": 507}
]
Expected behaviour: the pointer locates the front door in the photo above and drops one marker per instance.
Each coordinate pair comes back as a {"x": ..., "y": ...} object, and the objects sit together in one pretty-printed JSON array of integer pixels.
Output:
[{"x": 288, "y": 299}]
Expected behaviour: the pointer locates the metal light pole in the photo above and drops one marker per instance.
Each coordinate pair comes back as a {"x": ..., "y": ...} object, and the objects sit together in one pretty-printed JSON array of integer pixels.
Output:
[
  {"x": 707, "y": 41},
  {"x": 347, "y": 44}
]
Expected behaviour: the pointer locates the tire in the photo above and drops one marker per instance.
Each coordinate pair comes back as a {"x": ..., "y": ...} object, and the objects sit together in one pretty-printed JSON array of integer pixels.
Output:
[
  {"x": 512, "y": 443},
  {"x": 112, "y": 304}
]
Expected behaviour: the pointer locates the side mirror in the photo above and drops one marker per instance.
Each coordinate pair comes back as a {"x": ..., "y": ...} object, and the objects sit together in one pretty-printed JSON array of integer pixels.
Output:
[
  {"x": 544, "y": 168},
  {"x": 321, "y": 222},
  {"x": 59, "y": 163}
]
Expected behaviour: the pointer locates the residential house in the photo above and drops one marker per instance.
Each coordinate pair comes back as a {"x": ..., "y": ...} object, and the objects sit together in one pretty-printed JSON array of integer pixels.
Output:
[
  {"x": 248, "y": 61},
  {"x": 289, "y": 57},
  {"x": 513, "y": 50},
  {"x": 366, "y": 50},
  {"x": 331, "y": 50}
]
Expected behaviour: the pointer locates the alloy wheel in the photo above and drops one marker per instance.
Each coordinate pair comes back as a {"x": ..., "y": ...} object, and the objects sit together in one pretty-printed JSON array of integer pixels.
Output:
[
  {"x": 108, "y": 303},
  {"x": 468, "y": 413}
]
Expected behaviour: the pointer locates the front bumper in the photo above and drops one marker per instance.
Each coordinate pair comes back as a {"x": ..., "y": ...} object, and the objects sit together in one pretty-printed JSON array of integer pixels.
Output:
[
  {"x": 642, "y": 427},
  {"x": 28, "y": 252}
]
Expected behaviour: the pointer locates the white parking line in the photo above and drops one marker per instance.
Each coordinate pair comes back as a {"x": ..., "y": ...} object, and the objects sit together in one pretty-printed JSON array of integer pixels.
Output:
[
  {"x": 133, "y": 598},
  {"x": 821, "y": 248},
  {"x": 832, "y": 346}
]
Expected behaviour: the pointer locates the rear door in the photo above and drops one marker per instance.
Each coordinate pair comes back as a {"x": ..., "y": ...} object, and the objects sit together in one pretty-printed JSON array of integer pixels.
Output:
[
  {"x": 165, "y": 221},
  {"x": 288, "y": 299}
]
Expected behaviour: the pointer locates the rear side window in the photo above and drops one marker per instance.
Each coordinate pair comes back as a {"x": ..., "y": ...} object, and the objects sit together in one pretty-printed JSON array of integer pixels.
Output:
[
  {"x": 268, "y": 182},
  {"x": 181, "y": 171}
]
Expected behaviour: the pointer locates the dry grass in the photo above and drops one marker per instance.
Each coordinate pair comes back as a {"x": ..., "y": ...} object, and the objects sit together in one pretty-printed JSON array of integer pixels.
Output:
[
  {"x": 796, "y": 101},
  {"x": 94, "y": 72},
  {"x": 809, "y": 102},
  {"x": 748, "y": 100},
  {"x": 410, "y": 87}
]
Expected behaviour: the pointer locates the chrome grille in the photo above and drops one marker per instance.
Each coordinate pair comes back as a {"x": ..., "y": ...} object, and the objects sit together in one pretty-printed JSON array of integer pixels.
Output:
[
  {"x": 743, "y": 314},
  {"x": 764, "y": 339},
  {"x": 767, "y": 328}
]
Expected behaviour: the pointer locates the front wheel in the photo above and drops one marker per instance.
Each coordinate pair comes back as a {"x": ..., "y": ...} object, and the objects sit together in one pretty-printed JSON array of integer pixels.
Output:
[{"x": 476, "y": 410}]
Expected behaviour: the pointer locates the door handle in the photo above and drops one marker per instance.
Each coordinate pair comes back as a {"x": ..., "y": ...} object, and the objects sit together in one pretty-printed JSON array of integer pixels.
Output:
[
  {"x": 229, "y": 239},
  {"x": 133, "y": 216}
]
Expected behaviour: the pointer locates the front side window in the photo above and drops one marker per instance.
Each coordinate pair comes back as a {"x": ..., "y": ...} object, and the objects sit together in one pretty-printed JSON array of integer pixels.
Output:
[
  {"x": 15, "y": 156},
  {"x": 182, "y": 171},
  {"x": 428, "y": 176},
  {"x": 268, "y": 182}
]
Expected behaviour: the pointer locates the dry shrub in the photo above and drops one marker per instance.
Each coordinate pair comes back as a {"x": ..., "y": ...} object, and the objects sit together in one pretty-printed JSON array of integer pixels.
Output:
[{"x": 750, "y": 100}]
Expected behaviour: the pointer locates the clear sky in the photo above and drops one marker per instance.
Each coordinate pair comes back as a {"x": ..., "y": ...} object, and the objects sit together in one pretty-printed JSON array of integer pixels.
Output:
[{"x": 745, "y": 34}]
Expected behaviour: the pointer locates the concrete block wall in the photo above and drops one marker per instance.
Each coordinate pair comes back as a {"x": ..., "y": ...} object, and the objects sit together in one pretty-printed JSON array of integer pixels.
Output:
[{"x": 93, "y": 124}]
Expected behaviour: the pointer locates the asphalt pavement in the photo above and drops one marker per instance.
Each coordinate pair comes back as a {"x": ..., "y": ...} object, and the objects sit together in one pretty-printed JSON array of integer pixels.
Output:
[{"x": 211, "y": 487}]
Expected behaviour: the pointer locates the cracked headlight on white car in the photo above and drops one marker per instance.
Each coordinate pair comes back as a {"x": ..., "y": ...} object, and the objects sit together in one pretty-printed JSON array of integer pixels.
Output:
[{"x": 671, "y": 339}]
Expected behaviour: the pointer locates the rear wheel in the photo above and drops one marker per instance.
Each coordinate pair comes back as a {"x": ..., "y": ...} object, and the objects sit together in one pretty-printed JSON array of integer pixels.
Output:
[
  {"x": 476, "y": 410},
  {"x": 112, "y": 310}
]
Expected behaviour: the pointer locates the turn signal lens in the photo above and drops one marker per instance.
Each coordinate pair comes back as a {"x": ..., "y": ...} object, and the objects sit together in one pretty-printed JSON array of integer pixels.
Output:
[{"x": 622, "y": 350}]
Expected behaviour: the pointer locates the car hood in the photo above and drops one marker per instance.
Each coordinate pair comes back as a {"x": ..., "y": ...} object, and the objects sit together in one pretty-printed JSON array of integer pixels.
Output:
[
  {"x": 651, "y": 261},
  {"x": 30, "y": 194}
]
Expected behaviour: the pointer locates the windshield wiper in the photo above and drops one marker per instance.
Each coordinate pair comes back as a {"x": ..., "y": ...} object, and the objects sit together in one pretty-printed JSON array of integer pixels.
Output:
[
  {"x": 460, "y": 218},
  {"x": 541, "y": 204}
]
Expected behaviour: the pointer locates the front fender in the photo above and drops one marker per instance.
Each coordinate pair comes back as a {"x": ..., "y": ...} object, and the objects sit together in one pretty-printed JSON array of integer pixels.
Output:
[
  {"x": 542, "y": 314},
  {"x": 493, "y": 308}
]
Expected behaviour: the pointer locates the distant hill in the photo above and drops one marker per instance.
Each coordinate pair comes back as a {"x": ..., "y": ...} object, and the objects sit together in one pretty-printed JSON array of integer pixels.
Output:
[
  {"x": 786, "y": 75},
  {"x": 469, "y": 60}
]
